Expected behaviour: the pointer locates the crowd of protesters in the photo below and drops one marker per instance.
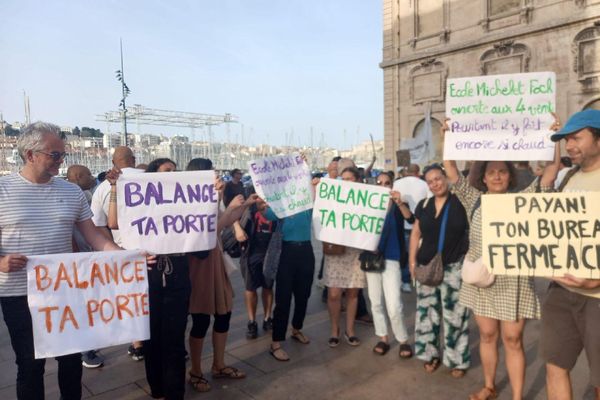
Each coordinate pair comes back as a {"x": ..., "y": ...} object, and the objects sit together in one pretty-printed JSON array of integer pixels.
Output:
[{"x": 436, "y": 213}]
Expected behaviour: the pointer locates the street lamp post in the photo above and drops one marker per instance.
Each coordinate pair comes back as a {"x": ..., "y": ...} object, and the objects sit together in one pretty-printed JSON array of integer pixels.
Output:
[{"x": 124, "y": 92}]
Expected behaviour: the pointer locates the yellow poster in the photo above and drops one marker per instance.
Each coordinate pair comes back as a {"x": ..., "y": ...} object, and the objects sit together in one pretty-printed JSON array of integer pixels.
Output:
[{"x": 542, "y": 234}]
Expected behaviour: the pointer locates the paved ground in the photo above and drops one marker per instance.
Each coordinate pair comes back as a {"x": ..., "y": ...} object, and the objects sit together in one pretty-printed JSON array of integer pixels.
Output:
[{"x": 314, "y": 372}]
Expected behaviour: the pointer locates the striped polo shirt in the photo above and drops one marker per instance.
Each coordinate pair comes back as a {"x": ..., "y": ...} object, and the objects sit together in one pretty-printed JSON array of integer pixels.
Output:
[{"x": 36, "y": 219}]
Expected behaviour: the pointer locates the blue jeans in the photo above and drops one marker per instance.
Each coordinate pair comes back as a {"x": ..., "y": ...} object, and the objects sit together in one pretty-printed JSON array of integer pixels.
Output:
[{"x": 30, "y": 372}]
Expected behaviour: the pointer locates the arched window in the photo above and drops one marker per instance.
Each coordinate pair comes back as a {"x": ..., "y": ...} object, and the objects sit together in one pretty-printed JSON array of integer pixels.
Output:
[
  {"x": 437, "y": 142},
  {"x": 593, "y": 105},
  {"x": 586, "y": 57}
]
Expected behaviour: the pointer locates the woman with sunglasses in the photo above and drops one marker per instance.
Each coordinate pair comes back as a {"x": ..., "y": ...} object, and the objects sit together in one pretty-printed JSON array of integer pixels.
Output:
[
  {"x": 440, "y": 303},
  {"x": 384, "y": 286}
]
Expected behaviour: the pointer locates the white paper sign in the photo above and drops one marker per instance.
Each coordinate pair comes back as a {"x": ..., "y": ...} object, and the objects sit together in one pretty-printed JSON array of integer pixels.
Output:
[
  {"x": 350, "y": 214},
  {"x": 500, "y": 117},
  {"x": 284, "y": 182},
  {"x": 86, "y": 301},
  {"x": 168, "y": 212}
]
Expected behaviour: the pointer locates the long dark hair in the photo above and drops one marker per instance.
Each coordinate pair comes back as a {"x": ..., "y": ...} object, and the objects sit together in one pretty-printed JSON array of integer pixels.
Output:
[
  {"x": 199, "y": 164},
  {"x": 156, "y": 164},
  {"x": 477, "y": 173},
  {"x": 354, "y": 172}
]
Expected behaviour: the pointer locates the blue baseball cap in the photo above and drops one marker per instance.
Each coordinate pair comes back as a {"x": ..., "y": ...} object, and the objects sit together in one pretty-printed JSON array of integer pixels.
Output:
[{"x": 582, "y": 119}]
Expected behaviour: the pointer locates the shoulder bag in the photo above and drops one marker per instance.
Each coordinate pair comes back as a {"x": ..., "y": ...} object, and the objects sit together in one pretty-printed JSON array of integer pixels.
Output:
[
  {"x": 371, "y": 262},
  {"x": 273, "y": 254},
  {"x": 332, "y": 249},
  {"x": 475, "y": 272},
  {"x": 432, "y": 273}
]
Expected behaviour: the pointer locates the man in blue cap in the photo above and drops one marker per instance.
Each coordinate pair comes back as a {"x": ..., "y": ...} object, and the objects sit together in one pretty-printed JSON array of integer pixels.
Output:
[{"x": 571, "y": 312}]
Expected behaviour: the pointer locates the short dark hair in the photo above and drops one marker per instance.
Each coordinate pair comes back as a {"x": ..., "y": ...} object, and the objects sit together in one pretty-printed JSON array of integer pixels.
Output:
[
  {"x": 354, "y": 172},
  {"x": 595, "y": 132},
  {"x": 336, "y": 159},
  {"x": 477, "y": 174},
  {"x": 432, "y": 167},
  {"x": 199, "y": 164},
  {"x": 389, "y": 174},
  {"x": 235, "y": 171},
  {"x": 155, "y": 164}
]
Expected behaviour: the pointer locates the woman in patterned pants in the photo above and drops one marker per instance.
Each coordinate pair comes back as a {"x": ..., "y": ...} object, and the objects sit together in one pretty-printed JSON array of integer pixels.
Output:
[{"x": 439, "y": 305}]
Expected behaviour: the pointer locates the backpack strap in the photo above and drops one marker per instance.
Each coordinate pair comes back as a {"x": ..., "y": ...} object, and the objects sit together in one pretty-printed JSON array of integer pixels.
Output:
[
  {"x": 568, "y": 176},
  {"x": 475, "y": 207},
  {"x": 443, "y": 228}
]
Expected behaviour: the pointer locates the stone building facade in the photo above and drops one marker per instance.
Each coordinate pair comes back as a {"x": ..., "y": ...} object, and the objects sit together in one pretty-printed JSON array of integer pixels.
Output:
[{"x": 426, "y": 42}]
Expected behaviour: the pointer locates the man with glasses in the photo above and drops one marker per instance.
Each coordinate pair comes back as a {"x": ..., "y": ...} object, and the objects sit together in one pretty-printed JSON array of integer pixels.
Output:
[{"x": 37, "y": 215}]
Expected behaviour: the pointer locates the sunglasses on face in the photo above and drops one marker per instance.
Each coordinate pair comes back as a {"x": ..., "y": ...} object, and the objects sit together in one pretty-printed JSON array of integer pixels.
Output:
[
  {"x": 384, "y": 183},
  {"x": 55, "y": 155}
]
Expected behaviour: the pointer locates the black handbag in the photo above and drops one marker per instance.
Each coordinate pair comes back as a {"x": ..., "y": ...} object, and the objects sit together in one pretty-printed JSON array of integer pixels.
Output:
[
  {"x": 432, "y": 273},
  {"x": 371, "y": 262},
  {"x": 230, "y": 244}
]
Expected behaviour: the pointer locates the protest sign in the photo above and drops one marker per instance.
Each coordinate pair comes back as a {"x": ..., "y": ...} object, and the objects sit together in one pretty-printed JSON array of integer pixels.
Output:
[
  {"x": 543, "y": 234},
  {"x": 500, "y": 117},
  {"x": 402, "y": 158},
  {"x": 86, "y": 301},
  {"x": 350, "y": 214},
  {"x": 284, "y": 182},
  {"x": 166, "y": 213}
]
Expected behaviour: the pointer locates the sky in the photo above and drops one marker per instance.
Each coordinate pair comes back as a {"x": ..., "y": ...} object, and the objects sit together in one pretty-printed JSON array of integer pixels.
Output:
[{"x": 282, "y": 67}]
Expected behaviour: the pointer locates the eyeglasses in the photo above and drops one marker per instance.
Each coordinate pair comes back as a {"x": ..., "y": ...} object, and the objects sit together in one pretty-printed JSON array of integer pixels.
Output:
[
  {"x": 55, "y": 155},
  {"x": 384, "y": 183}
]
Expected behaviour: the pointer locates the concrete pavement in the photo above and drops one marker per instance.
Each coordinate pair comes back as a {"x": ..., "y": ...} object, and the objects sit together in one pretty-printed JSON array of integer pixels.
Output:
[{"x": 314, "y": 372}]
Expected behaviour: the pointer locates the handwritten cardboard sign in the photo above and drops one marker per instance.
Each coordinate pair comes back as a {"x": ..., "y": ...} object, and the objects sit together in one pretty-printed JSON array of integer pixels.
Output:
[
  {"x": 544, "y": 234},
  {"x": 85, "y": 301},
  {"x": 402, "y": 158},
  {"x": 164, "y": 213},
  {"x": 500, "y": 117},
  {"x": 284, "y": 182},
  {"x": 350, "y": 214}
]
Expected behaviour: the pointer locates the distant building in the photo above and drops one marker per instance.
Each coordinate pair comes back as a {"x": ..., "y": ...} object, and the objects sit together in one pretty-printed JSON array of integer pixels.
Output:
[
  {"x": 110, "y": 140},
  {"x": 146, "y": 140},
  {"x": 362, "y": 153},
  {"x": 425, "y": 42}
]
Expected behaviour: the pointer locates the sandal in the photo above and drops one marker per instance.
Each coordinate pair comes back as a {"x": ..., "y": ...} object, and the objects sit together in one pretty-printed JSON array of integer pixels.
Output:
[
  {"x": 381, "y": 348},
  {"x": 333, "y": 341},
  {"x": 352, "y": 340},
  {"x": 199, "y": 383},
  {"x": 458, "y": 373},
  {"x": 279, "y": 354},
  {"x": 485, "y": 393},
  {"x": 228, "y": 373},
  {"x": 432, "y": 365},
  {"x": 299, "y": 337},
  {"x": 405, "y": 351}
]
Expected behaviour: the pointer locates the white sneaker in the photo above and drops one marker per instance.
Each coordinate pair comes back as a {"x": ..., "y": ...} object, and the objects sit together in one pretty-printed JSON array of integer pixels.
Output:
[{"x": 406, "y": 288}]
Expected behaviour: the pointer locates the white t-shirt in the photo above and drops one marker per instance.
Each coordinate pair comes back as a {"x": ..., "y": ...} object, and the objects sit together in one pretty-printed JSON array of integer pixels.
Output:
[
  {"x": 36, "y": 219},
  {"x": 101, "y": 202},
  {"x": 413, "y": 190}
]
